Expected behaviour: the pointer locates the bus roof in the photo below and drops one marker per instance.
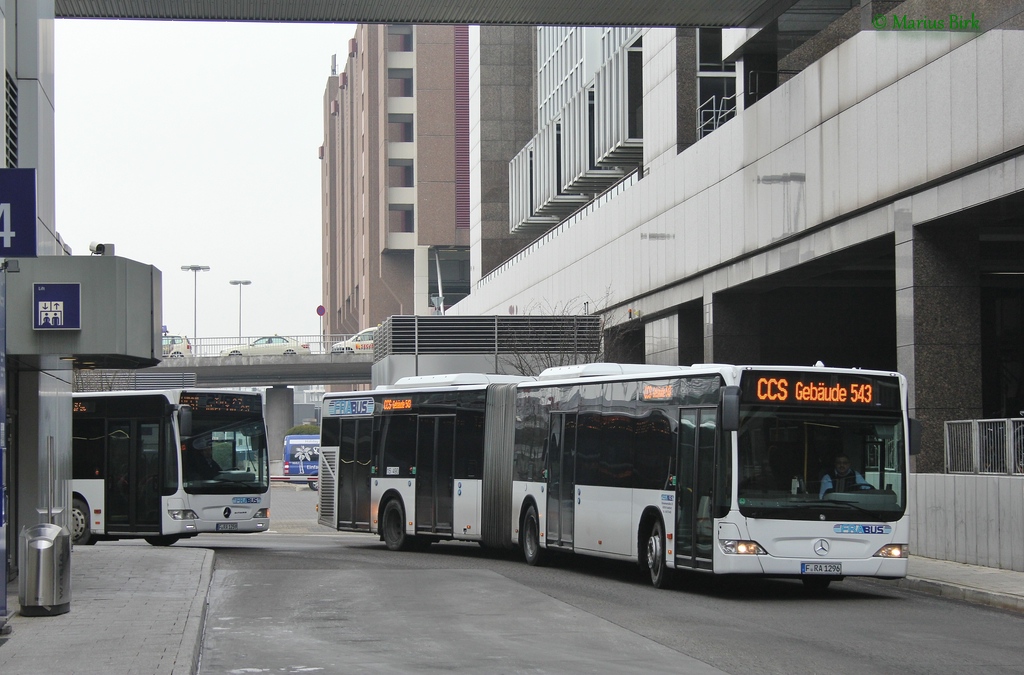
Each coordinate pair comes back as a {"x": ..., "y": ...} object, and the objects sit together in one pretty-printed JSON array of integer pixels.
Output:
[
  {"x": 605, "y": 370},
  {"x": 453, "y": 380}
]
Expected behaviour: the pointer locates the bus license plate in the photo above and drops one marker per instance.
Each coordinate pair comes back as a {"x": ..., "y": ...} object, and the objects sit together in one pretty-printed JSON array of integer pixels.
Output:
[
  {"x": 227, "y": 527},
  {"x": 821, "y": 568}
]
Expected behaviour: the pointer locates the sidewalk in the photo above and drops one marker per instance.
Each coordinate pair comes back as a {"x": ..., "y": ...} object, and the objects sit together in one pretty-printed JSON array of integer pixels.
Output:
[
  {"x": 134, "y": 609},
  {"x": 141, "y": 609}
]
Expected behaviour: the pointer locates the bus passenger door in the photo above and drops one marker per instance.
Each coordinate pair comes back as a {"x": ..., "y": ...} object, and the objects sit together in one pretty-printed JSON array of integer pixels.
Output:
[
  {"x": 435, "y": 473},
  {"x": 133, "y": 477},
  {"x": 694, "y": 499},
  {"x": 354, "y": 462},
  {"x": 561, "y": 467}
]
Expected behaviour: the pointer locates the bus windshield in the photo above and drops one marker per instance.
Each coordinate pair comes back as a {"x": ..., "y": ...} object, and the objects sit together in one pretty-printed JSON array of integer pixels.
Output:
[
  {"x": 225, "y": 454},
  {"x": 811, "y": 464}
]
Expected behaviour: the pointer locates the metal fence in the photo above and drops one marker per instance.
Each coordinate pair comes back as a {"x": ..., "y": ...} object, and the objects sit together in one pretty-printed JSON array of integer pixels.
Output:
[
  {"x": 212, "y": 346},
  {"x": 985, "y": 446}
]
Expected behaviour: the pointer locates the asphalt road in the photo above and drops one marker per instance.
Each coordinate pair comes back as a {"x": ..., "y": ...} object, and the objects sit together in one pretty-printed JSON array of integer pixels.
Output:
[{"x": 307, "y": 599}]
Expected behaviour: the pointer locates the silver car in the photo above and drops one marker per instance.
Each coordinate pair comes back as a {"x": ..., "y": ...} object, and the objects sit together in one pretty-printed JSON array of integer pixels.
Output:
[{"x": 268, "y": 346}]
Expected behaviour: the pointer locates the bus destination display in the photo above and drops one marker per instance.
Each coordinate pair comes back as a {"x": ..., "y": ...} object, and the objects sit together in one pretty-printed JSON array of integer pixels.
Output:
[
  {"x": 222, "y": 402},
  {"x": 819, "y": 389},
  {"x": 397, "y": 404}
]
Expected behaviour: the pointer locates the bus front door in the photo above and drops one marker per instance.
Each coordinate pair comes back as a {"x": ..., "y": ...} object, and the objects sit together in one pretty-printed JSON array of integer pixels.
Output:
[
  {"x": 132, "y": 499},
  {"x": 435, "y": 475},
  {"x": 694, "y": 514},
  {"x": 354, "y": 464},
  {"x": 561, "y": 468}
]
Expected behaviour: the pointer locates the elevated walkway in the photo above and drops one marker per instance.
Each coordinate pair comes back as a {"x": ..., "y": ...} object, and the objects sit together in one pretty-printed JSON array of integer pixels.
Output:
[{"x": 267, "y": 371}]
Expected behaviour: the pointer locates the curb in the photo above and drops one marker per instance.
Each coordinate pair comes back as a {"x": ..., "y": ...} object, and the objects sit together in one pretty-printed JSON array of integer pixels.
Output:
[
  {"x": 952, "y": 591},
  {"x": 195, "y": 625}
]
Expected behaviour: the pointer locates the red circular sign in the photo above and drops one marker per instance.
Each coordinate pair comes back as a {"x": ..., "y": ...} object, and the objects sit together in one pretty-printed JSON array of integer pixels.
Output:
[{"x": 320, "y": 310}]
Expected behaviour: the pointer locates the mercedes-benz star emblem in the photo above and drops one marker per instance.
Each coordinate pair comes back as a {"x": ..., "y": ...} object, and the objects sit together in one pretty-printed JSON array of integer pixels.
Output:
[
  {"x": 821, "y": 547},
  {"x": 227, "y": 514}
]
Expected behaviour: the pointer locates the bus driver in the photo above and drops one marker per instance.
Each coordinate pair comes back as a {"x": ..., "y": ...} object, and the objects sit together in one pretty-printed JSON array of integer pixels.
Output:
[
  {"x": 203, "y": 465},
  {"x": 842, "y": 478}
]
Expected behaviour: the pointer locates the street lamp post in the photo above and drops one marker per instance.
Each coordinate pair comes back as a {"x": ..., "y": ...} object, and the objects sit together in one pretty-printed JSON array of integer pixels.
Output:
[
  {"x": 239, "y": 283},
  {"x": 195, "y": 269}
]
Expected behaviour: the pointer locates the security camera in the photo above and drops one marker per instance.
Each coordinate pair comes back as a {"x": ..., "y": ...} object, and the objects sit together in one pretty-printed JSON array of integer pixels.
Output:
[{"x": 101, "y": 249}]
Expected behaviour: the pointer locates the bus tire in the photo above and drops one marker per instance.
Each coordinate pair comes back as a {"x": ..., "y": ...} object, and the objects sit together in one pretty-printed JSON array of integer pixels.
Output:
[
  {"x": 162, "y": 540},
  {"x": 393, "y": 526},
  {"x": 654, "y": 555},
  {"x": 313, "y": 485},
  {"x": 529, "y": 539},
  {"x": 80, "y": 532}
]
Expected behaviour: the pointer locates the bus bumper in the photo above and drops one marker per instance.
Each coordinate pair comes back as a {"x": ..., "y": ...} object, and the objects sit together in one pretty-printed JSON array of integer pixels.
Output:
[{"x": 887, "y": 568}]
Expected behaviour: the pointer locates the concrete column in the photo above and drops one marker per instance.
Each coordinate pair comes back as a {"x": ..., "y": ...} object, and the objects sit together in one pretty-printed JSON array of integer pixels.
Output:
[
  {"x": 279, "y": 413},
  {"x": 691, "y": 334},
  {"x": 43, "y": 446},
  {"x": 938, "y": 329},
  {"x": 731, "y": 328}
]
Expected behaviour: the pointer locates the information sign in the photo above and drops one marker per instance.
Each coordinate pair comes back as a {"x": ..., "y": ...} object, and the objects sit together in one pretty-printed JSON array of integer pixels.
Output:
[{"x": 57, "y": 306}]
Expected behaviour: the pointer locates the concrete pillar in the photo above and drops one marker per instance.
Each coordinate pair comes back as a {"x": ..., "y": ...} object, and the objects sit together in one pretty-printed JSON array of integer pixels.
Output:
[
  {"x": 43, "y": 446},
  {"x": 691, "y": 334},
  {"x": 732, "y": 328},
  {"x": 938, "y": 329},
  {"x": 279, "y": 414}
]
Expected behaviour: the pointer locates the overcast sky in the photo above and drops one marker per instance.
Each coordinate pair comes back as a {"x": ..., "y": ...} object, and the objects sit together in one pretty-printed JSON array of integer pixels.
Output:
[{"x": 193, "y": 143}]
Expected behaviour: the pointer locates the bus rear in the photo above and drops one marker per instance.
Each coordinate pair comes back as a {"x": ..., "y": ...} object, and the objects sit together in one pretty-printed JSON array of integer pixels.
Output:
[
  {"x": 301, "y": 459},
  {"x": 821, "y": 476}
]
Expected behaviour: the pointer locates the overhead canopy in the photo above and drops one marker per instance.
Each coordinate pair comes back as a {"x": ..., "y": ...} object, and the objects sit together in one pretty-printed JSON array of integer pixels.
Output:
[{"x": 713, "y": 13}]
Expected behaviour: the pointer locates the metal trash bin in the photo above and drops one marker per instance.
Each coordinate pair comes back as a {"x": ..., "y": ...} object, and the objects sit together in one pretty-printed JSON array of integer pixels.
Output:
[{"x": 44, "y": 577}]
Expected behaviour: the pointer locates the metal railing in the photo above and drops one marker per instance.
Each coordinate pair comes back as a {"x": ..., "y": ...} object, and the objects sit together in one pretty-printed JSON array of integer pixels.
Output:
[
  {"x": 212, "y": 346},
  {"x": 994, "y": 446}
]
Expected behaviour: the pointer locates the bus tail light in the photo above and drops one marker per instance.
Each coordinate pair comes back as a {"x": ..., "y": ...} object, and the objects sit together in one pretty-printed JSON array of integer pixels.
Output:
[
  {"x": 893, "y": 551},
  {"x": 741, "y": 547},
  {"x": 183, "y": 514}
]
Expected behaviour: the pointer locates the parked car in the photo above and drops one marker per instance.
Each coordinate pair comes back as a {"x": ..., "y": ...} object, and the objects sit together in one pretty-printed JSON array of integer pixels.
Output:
[
  {"x": 360, "y": 342},
  {"x": 264, "y": 346},
  {"x": 176, "y": 347}
]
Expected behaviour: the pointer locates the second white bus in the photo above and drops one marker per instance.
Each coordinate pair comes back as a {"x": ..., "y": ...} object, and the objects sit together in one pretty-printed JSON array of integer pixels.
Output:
[{"x": 715, "y": 468}]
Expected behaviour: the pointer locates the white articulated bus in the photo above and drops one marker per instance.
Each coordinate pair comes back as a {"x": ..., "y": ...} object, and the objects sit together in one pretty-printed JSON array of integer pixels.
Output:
[
  {"x": 719, "y": 468},
  {"x": 162, "y": 465}
]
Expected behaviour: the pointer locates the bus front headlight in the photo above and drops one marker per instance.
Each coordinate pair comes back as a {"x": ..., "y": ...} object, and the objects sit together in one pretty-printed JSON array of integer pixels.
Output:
[
  {"x": 262, "y": 513},
  {"x": 183, "y": 514},
  {"x": 741, "y": 547},
  {"x": 893, "y": 551}
]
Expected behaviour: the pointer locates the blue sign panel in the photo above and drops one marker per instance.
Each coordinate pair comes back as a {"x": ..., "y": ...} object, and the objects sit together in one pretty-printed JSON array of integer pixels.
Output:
[
  {"x": 17, "y": 213},
  {"x": 57, "y": 306},
  {"x": 3, "y": 449},
  {"x": 341, "y": 407}
]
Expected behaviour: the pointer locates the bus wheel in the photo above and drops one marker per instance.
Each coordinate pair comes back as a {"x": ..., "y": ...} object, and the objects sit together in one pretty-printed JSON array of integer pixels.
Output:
[
  {"x": 654, "y": 555},
  {"x": 313, "y": 485},
  {"x": 162, "y": 540},
  {"x": 394, "y": 526},
  {"x": 80, "y": 532},
  {"x": 530, "y": 538}
]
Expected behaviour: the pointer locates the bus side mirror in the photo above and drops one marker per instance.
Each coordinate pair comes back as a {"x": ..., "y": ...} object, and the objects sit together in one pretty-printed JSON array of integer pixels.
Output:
[
  {"x": 185, "y": 420},
  {"x": 915, "y": 436},
  {"x": 731, "y": 408}
]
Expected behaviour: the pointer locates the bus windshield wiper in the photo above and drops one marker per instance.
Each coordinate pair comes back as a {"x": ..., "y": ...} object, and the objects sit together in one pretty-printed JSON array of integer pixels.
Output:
[{"x": 828, "y": 502}]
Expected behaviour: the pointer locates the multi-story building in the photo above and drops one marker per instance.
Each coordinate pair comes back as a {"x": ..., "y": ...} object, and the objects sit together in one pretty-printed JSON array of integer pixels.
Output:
[
  {"x": 394, "y": 173},
  {"x": 842, "y": 185},
  {"x": 400, "y": 136}
]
